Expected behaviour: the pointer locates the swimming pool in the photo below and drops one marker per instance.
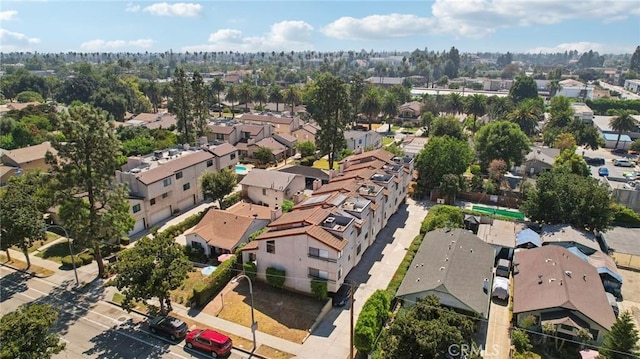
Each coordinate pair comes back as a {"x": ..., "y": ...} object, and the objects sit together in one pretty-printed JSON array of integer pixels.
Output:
[{"x": 240, "y": 169}]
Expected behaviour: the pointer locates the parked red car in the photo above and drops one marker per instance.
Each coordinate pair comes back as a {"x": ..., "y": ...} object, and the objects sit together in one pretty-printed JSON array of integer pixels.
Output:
[{"x": 209, "y": 341}]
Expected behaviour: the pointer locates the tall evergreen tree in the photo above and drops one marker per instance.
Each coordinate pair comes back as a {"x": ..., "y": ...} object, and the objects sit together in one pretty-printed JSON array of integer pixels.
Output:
[
  {"x": 371, "y": 104},
  {"x": 621, "y": 342},
  {"x": 94, "y": 210},
  {"x": 217, "y": 87},
  {"x": 199, "y": 103},
  {"x": 181, "y": 105},
  {"x": 635, "y": 61}
]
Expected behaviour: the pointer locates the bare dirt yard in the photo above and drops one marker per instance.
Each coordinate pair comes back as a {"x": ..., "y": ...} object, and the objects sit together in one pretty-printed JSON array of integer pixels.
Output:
[
  {"x": 278, "y": 312},
  {"x": 630, "y": 294}
]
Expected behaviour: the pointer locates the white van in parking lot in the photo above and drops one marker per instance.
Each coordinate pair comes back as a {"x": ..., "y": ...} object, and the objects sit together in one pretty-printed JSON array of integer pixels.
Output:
[{"x": 623, "y": 163}]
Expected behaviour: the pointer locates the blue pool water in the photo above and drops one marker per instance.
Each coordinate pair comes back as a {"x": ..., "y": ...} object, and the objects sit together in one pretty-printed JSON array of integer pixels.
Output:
[{"x": 241, "y": 168}]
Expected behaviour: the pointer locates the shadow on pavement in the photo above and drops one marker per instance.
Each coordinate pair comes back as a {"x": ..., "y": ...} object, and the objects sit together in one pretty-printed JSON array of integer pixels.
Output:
[
  {"x": 110, "y": 344},
  {"x": 13, "y": 283}
]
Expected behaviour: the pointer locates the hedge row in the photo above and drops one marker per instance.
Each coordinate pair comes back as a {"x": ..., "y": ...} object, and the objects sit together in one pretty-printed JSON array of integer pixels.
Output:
[
  {"x": 398, "y": 276},
  {"x": 250, "y": 269},
  {"x": 441, "y": 216},
  {"x": 230, "y": 200},
  {"x": 374, "y": 314},
  {"x": 177, "y": 229},
  {"x": 319, "y": 288},
  {"x": 80, "y": 259},
  {"x": 276, "y": 277},
  {"x": 625, "y": 216},
  {"x": 204, "y": 291}
]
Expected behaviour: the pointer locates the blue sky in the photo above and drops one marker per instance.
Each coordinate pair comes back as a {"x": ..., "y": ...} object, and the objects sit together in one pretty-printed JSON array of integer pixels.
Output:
[{"x": 251, "y": 26}]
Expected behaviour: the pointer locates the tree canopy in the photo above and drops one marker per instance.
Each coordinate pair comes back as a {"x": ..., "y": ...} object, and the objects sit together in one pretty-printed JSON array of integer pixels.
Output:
[
  {"x": 151, "y": 269},
  {"x": 523, "y": 88},
  {"x": 26, "y": 333},
  {"x": 216, "y": 185},
  {"x": 564, "y": 197},
  {"x": 441, "y": 156},
  {"x": 446, "y": 125},
  {"x": 621, "y": 342},
  {"x": 501, "y": 140},
  {"x": 572, "y": 162}
]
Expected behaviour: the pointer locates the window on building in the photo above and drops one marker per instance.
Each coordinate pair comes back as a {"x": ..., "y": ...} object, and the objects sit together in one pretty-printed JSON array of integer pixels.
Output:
[
  {"x": 233, "y": 156},
  {"x": 264, "y": 191},
  {"x": 136, "y": 208},
  {"x": 359, "y": 142},
  {"x": 339, "y": 272},
  {"x": 359, "y": 249},
  {"x": 271, "y": 247},
  {"x": 186, "y": 186},
  {"x": 316, "y": 273},
  {"x": 165, "y": 195},
  {"x": 318, "y": 253},
  {"x": 209, "y": 163},
  {"x": 219, "y": 136},
  {"x": 152, "y": 201},
  {"x": 167, "y": 182},
  {"x": 178, "y": 175}
]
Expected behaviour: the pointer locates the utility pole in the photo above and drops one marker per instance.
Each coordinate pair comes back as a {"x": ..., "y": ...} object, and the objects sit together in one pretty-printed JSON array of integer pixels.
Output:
[{"x": 351, "y": 331}]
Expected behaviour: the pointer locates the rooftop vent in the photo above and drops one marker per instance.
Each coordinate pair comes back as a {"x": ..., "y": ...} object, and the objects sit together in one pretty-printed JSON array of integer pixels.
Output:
[
  {"x": 441, "y": 268},
  {"x": 330, "y": 220},
  {"x": 568, "y": 273}
]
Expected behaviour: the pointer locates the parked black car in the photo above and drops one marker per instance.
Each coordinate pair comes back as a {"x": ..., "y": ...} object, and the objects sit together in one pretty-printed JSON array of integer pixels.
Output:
[
  {"x": 172, "y": 327},
  {"x": 341, "y": 297},
  {"x": 594, "y": 161}
]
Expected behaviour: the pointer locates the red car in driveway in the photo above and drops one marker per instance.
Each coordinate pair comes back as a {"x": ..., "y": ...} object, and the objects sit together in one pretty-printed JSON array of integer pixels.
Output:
[{"x": 209, "y": 341}]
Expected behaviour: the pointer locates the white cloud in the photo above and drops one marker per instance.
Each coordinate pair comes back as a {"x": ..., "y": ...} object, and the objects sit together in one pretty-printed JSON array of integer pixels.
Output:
[
  {"x": 131, "y": 7},
  {"x": 99, "y": 44},
  {"x": 378, "y": 27},
  {"x": 582, "y": 46},
  {"x": 8, "y": 15},
  {"x": 285, "y": 35},
  {"x": 15, "y": 41},
  {"x": 478, "y": 18},
  {"x": 178, "y": 9}
]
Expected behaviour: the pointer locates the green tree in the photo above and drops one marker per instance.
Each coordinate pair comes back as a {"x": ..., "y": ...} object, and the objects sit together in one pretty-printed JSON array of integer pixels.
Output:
[
  {"x": 200, "y": 104},
  {"x": 476, "y": 106},
  {"x": 330, "y": 108},
  {"x": 634, "y": 65},
  {"x": 446, "y": 126},
  {"x": 554, "y": 87},
  {"x": 451, "y": 185},
  {"x": 425, "y": 330},
  {"x": 260, "y": 95},
  {"x": 232, "y": 96},
  {"x": 622, "y": 123},
  {"x": 216, "y": 185},
  {"x": 526, "y": 115},
  {"x": 306, "y": 148},
  {"x": 26, "y": 333},
  {"x": 564, "y": 197},
  {"x": 572, "y": 162},
  {"x": 389, "y": 107},
  {"x": 245, "y": 94},
  {"x": 151, "y": 269},
  {"x": 564, "y": 141},
  {"x": 499, "y": 107},
  {"x": 501, "y": 140},
  {"x": 29, "y": 96},
  {"x": 370, "y": 104},
  {"x": 456, "y": 103},
  {"x": 523, "y": 88},
  {"x": 264, "y": 155},
  {"x": 561, "y": 111},
  {"x": 621, "y": 342},
  {"x": 292, "y": 96},
  {"x": 93, "y": 208},
  {"x": 217, "y": 87},
  {"x": 441, "y": 156},
  {"x": 23, "y": 201},
  {"x": 275, "y": 96},
  {"x": 356, "y": 90},
  {"x": 181, "y": 105}
]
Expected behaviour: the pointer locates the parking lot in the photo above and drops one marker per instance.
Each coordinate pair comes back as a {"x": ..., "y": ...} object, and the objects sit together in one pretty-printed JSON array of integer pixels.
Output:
[{"x": 616, "y": 173}]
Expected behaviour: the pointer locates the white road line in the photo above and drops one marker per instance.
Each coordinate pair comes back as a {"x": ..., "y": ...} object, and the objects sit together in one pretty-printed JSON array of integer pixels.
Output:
[{"x": 108, "y": 327}]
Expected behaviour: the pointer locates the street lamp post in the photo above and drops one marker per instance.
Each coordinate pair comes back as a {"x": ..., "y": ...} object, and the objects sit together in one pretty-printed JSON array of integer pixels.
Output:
[
  {"x": 254, "y": 325},
  {"x": 73, "y": 259}
]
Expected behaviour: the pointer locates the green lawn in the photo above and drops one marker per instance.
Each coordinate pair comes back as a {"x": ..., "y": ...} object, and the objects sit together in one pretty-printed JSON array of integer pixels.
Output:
[
  {"x": 37, "y": 244},
  {"x": 409, "y": 130},
  {"x": 57, "y": 251},
  {"x": 324, "y": 164},
  {"x": 387, "y": 140},
  {"x": 395, "y": 128}
]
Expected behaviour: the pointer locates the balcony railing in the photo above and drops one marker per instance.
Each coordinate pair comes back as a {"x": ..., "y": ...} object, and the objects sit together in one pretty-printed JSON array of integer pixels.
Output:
[
  {"x": 320, "y": 278},
  {"x": 326, "y": 259}
]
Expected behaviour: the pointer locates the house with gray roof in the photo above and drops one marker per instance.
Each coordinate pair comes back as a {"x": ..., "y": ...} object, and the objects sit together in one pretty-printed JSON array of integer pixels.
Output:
[
  {"x": 567, "y": 236},
  {"x": 455, "y": 266},
  {"x": 538, "y": 160},
  {"x": 271, "y": 188}
]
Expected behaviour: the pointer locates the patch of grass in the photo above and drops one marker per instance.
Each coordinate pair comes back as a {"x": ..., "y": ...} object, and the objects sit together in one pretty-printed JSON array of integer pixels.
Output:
[
  {"x": 324, "y": 164},
  {"x": 272, "y": 353},
  {"x": 117, "y": 298},
  {"x": 395, "y": 128},
  {"x": 185, "y": 291},
  {"x": 21, "y": 265},
  {"x": 387, "y": 141},
  {"x": 57, "y": 251},
  {"x": 37, "y": 244}
]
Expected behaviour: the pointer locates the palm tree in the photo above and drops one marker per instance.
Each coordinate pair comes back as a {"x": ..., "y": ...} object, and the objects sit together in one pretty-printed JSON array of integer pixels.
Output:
[
  {"x": 371, "y": 104},
  {"x": 260, "y": 95},
  {"x": 526, "y": 115},
  {"x": 499, "y": 107},
  {"x": 456, "y": 103},
  {"x": 291, "y": 96},
  {"x": 622, "y": 123},
  {"x": 389, "y": 107},
  {"x": 245, "y": 94},
  {"x": 275, "y": 95},
  {"x": 554, "y": 87},
  {"x": 475, "y": 105},
  {"x": 232, "y": 96},
  {"x": 217, "y": 86}
]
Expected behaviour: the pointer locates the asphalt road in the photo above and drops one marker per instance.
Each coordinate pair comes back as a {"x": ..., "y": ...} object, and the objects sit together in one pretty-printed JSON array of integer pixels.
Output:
[{"x": 90, "y": 327}]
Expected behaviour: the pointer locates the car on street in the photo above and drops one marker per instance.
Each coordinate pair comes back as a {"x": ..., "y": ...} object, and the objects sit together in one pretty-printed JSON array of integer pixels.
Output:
[
  {"x": 597, "y": 161},
  {"x": 623, "y": 163},
  {"x": 603, "y": 171},
  {"x": 633, "y": 175},
  {"x": 341, "y": 297},
  {"x": 209, "y": 341},
  {"x": 620, "y": 151},
  {"x": 167, "y": 325}
]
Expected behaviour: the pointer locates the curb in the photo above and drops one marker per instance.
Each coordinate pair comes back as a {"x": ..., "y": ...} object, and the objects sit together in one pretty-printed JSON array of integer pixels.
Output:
[
  {"x": 252, "y": 354},
  {"x": 32, "y": 274}
]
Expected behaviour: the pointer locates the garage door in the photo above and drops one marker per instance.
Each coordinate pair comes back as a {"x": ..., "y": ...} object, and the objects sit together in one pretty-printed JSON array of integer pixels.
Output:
[
  {"x": 160, "y": 216},
  {"x": 186, "y": 203},
  {"x": 139, "y": 226}
]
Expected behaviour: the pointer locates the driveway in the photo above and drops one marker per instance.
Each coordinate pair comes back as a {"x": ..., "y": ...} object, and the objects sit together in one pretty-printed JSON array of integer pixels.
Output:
[
  {"x": 498, "y": 340},
  {"x": 630, "y": 294},
  {"x": 375, "y": 270}
]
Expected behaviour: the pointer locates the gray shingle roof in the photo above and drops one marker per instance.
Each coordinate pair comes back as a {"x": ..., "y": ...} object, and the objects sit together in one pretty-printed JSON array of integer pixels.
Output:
[
  {"x": 455, "y": 262},
  {"x": 268, "y": 179}
]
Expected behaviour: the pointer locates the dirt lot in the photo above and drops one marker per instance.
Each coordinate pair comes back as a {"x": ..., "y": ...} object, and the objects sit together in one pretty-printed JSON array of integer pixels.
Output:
[
  {"x": 631, "y": 294},
  {"x": 278, "y": 312}
]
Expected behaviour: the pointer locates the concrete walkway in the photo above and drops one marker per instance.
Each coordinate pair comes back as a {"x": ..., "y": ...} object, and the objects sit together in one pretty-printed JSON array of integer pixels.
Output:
[{"x": 498, "y": 342}]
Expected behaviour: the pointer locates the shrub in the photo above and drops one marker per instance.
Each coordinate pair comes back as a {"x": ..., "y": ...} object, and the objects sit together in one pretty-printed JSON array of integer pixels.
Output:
[
  {"x": 475, "y": 169},
  {"x": 441, "y": 216},
  {"x": 86, "y": 258},
  {"x": 307, "y": 161},
  {"x": 520, "y": 340},
  {"x": 624, "y": 215},
  {"x": 195, "y": 254},
  {"x": 125, "y": 241},
  {"x": 319, "y": 288},
  {"x": 67, "y": 262},
  {"x": 204, "y": 291},
  {"x": 276, "y": 277},
  {"x": 398, "y": 276},
  {"x": 250, "y": 269},
  {"x": 375, "y": 312},
  {"x": 177, "y": 229},
  {"x": 230, "y": 200}
]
